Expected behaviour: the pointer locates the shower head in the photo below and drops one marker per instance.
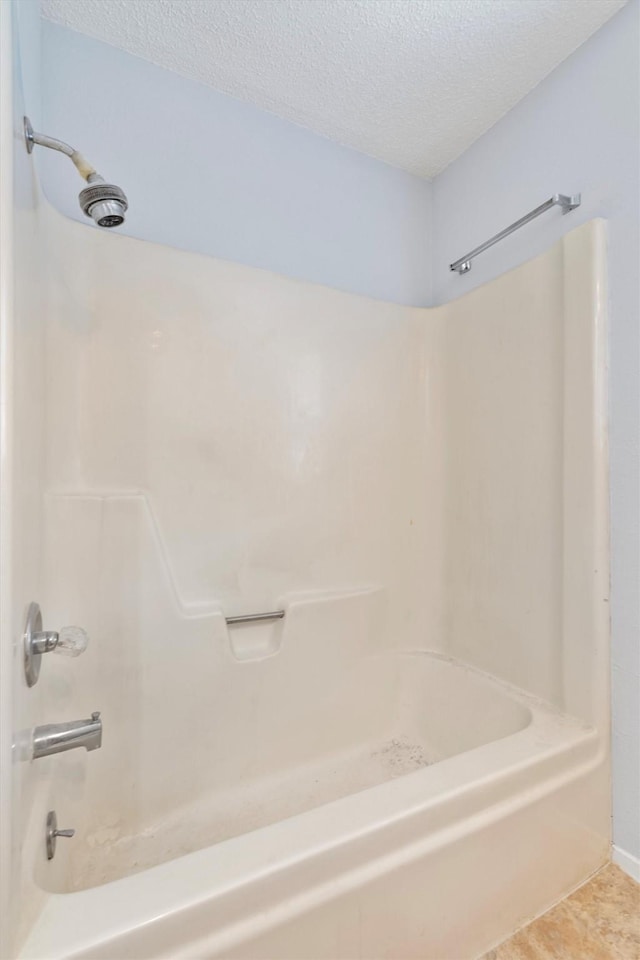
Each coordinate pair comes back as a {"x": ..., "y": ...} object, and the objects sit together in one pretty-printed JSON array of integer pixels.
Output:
[{"x": 105, "y": 203}]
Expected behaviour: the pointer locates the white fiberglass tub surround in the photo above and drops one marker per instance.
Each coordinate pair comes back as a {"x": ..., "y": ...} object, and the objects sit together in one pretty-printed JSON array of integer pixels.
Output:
[{"x": 413, "y": 761}]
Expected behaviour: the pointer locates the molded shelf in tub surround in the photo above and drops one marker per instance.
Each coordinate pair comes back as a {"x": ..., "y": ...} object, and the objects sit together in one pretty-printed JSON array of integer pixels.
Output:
[{"x": 306, "y": 622}]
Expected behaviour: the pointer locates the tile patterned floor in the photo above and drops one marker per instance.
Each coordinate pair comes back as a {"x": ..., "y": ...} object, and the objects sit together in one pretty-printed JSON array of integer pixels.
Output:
[{"x": 600, "y": 921}]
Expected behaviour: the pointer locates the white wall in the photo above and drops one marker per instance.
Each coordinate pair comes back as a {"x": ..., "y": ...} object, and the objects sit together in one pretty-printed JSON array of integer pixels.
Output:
[
  {"x": 577, "y": 131},
  {"x": 208, "y": 173}
]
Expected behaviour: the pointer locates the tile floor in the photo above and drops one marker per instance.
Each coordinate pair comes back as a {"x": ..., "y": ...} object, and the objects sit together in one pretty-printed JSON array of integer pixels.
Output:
[{"x": 600, "y": 921}]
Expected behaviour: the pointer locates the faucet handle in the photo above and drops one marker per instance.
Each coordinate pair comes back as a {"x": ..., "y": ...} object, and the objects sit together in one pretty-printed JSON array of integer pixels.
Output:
[
  {"x": 53, "y": 833},
  {"x": 72, "y": 641}
]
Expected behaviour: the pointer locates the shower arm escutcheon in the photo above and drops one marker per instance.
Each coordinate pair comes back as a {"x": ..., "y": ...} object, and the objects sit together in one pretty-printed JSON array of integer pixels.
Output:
[{"x": 105, "y": 203}]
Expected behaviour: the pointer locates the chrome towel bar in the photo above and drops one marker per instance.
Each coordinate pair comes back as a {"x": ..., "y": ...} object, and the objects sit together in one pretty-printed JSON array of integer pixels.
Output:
[
  {"x": 255, "y": 617},
  {"x": 463, "y": 265}
]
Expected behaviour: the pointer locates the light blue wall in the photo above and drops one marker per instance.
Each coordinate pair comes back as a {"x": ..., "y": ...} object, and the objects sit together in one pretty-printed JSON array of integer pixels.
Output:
[
  {"x": 577, "y": 131},
  {"x": 212, "y": 174}
]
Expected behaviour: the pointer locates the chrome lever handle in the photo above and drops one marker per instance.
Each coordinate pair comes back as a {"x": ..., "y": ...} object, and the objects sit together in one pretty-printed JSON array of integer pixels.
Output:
[{"x": 53, "y": 833}]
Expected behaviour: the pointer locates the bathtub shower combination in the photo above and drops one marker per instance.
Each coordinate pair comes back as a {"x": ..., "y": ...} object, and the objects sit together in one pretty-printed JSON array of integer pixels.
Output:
[
  {"x": 336, "y": 575},
  {"x": 408, "y": 756}
]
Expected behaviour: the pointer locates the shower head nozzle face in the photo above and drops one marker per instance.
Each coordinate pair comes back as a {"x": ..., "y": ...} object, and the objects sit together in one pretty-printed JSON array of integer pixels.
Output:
[
  {"x": 107, "y": 213},
  {"x": 105, "y": 203}
]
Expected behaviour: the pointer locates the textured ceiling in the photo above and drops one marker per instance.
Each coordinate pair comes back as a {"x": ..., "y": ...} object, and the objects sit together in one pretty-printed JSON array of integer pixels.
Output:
[{"x": 412, "y": 82}]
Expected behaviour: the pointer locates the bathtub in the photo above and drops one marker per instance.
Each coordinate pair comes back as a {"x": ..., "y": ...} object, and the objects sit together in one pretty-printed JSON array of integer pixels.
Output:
[{"x": 457, "y": 807}]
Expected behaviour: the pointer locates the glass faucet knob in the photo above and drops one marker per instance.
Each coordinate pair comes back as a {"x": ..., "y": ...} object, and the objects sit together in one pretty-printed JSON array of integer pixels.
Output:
[{"x": 72, "y": 641}]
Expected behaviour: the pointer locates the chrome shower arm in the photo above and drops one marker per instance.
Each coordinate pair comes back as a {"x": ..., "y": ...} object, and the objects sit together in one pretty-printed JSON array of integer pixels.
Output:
[
  {"x": 44, "y": 141},
  {"x": 84, "y": 168}
]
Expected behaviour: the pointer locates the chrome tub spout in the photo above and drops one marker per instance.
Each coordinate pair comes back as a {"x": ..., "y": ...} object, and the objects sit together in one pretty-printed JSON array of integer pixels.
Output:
[{"x": 58, "y": 737}]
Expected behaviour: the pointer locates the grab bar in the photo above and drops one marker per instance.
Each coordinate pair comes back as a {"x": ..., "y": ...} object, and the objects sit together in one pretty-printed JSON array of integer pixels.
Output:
[
  {"x": 255, "y": 617},
  {"x": 463, "y": 265}
]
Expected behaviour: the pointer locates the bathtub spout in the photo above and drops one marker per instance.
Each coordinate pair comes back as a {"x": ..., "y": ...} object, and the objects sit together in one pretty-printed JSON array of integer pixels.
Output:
[{"x": 58, "y": 737}]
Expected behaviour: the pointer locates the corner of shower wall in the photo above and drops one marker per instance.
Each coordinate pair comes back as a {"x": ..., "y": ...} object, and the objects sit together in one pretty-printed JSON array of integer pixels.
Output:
[
  {"x": 526, "y": 531},
  {"x": 432, "y": 450}
]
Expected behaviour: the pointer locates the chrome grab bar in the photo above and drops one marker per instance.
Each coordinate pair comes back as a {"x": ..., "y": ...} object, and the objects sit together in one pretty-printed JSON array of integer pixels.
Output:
[
  {"x": 463, "y": 265},
  {"x": 255, "y": 617}
]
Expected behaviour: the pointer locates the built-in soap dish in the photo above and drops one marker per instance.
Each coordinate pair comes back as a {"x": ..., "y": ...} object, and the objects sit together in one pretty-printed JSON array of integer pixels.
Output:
[{"x": 255, "y": 636}]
